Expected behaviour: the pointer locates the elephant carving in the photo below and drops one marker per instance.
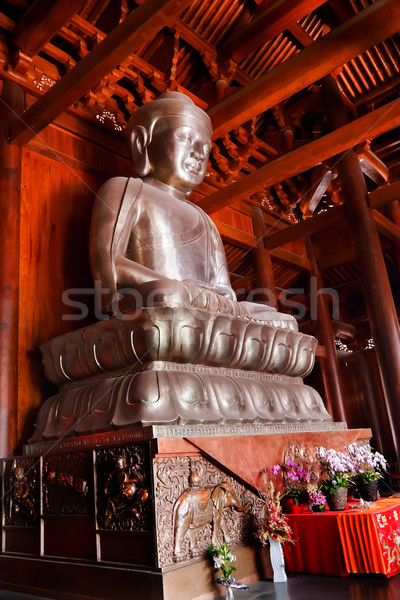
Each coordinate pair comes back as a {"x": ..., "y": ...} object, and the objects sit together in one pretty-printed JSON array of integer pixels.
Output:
[{"x": 198, "y": 506}]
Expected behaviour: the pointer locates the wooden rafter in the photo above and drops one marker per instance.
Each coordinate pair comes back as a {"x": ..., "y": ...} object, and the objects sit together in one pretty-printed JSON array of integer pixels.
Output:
[
  {"x": 40, "y": 22},
  {"x": 325, "y": 55},
  {"x": 270, "y": 23},
  {"x": 299, "y": 160},
  {"x": 139, "y": 27}
]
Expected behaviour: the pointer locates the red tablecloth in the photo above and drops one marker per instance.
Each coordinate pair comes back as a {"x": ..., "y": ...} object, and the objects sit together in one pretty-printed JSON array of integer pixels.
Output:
[
  {"x": 351, "y": 541},
  {"x": 371, "y": 539},
  {"x": 318, "y": 549}
]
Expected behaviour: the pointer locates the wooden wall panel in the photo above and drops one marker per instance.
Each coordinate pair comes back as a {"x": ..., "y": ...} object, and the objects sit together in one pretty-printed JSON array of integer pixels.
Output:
[{"x": 56, "y": 208}]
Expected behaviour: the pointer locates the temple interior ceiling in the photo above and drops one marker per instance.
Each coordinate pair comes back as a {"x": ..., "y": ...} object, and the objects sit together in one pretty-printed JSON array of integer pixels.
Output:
[{"x": 269, "y": 56}]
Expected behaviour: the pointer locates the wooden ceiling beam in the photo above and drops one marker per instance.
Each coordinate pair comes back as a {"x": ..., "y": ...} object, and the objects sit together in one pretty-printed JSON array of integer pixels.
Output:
[
  {"x": 235, "y": 236},
  {"x": 270, "y": 23},
  {"x": 286, "y": 257},
  {"x": 305, "y": 228},
  {"x": 40, "y": 22},
  {"x": 356, "y": 35},
  {"x": 140, "y": 26},
  {"x": 386, "y": 227},
  {"x": 299, "y": 160},
  {"x": 301, "y": 35},
  {"x": 384, "y": 195}
]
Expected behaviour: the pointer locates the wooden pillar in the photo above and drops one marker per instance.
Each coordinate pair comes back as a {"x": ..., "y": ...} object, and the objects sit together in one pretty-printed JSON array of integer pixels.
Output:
[
  {"x": 364, "y": 376},
  {"x": 330, "y": 365},
  {"x": 394, "y": 215},
  {"x": 11, "y": 103},
  {"x": 262, "y": 262},
  {"x": 371, "y": 265}
]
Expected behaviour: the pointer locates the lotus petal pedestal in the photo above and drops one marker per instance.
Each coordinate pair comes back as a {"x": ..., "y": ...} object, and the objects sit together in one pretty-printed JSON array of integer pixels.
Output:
[{"x": 168, "y": 365}]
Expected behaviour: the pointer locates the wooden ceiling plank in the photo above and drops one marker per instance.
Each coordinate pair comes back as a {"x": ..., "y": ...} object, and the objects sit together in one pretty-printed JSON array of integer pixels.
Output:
[
  {"x": 297, "y": 161},
  {"x": 338, "y": 258},
  {"x": 141, "y": 25},
  {"x": 40, "y": 22},
  {"x": 386, "y": 227},
  {"x": 270, "y": 23},
  {"x": 319, "y": 59}
]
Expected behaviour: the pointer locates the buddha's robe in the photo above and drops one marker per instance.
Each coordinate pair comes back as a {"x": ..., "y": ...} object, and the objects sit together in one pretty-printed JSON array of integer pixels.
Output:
[{"x": 149, "y": 247}]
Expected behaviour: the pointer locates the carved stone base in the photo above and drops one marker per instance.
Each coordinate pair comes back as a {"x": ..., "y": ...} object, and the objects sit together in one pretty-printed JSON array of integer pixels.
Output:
[{"x": 172, "y": 393}]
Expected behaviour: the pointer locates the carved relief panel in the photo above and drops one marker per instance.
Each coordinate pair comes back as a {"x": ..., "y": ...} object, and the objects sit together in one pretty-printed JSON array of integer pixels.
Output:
[
  {"x": 68, "y": 484},
  {"x": 21, "y": 501},
  {"x": 198, "y": 504},
  {"x": 123, "y": 488}
]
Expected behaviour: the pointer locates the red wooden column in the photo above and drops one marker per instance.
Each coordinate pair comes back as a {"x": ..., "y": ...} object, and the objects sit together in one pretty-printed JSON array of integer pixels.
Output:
[
  {"x": 11, "y": 102},
  {"x": 262, "y": 262},
  {"x": 371, "y": 265},
  {"x": 330, "y": 368}
]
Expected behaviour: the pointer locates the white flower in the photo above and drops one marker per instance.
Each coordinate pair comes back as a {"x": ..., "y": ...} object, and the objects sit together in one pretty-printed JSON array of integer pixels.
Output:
[
  {"x": 218, "y": 564},
  {"x": 233, "y": 558}
]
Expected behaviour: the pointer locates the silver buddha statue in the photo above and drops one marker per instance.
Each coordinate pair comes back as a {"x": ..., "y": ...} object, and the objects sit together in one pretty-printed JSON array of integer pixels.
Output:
[
  {"x": 178, "y": 349},
  {"x": 149, "y": 245}
]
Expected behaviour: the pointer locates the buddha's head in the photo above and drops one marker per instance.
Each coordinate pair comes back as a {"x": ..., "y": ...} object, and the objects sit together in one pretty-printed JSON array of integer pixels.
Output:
[{"x": 170, "y": 140}]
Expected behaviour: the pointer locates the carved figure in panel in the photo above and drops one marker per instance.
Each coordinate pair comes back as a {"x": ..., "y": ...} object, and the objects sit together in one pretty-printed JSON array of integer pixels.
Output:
[
  {"x": 149, "y": 245},
  {"x": 184, "y": 508},
  {"x": 67, "y": 485},
  {"x": 21, "y": 499},
  {"x": 197, "y": 506},
  {"x": 123, "y": 492},
  {"x": 299, "y": 453}
]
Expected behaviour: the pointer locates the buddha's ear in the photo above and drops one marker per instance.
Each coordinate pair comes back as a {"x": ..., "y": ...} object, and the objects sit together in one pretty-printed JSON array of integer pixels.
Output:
[{"x": 139, "y": 142}]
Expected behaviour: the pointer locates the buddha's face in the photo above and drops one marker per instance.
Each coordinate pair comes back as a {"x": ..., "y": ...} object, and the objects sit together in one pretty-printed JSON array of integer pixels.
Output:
[{"x": 178, "y": 152}]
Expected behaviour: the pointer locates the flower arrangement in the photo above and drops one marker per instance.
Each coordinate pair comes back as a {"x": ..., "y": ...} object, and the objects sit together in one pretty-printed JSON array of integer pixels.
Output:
[
  {"x": 296, "y": 479},
  {"x": 337, "y": 469},
  {"x": 274, "y": 524},
  {"x": 222, "y": 558},
  {"x": 367, "y": 464}
]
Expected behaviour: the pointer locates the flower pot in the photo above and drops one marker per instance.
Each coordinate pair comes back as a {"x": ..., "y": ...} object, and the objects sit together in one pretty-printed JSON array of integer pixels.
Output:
[
  {"x": 338, "y": 499},
  {"x": 318, "y": 508},
  {"x": 291, "y": 507},
  {"x": 368, "y": 490}
]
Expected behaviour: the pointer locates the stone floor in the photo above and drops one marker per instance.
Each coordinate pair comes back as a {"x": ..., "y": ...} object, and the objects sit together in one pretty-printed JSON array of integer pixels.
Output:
[
  {"x": 318, "y": 587},
  {"x": 302, "y": 587}
]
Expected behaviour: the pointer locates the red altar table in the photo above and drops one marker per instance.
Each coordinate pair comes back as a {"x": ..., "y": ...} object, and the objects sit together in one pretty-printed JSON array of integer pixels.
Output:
[
  {"x": 351, "y": 541},
  {"x": 318, "y": 549}
]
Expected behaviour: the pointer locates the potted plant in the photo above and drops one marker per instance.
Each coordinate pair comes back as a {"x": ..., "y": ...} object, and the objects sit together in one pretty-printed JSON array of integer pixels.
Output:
[
  {"x": 337, "y": 472},
  {"x": 296, "y": 480},
  {"x": 223, "y": 559},
  {"x": 368, "y": 468},
  {"x": 316, "y": 499}
]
